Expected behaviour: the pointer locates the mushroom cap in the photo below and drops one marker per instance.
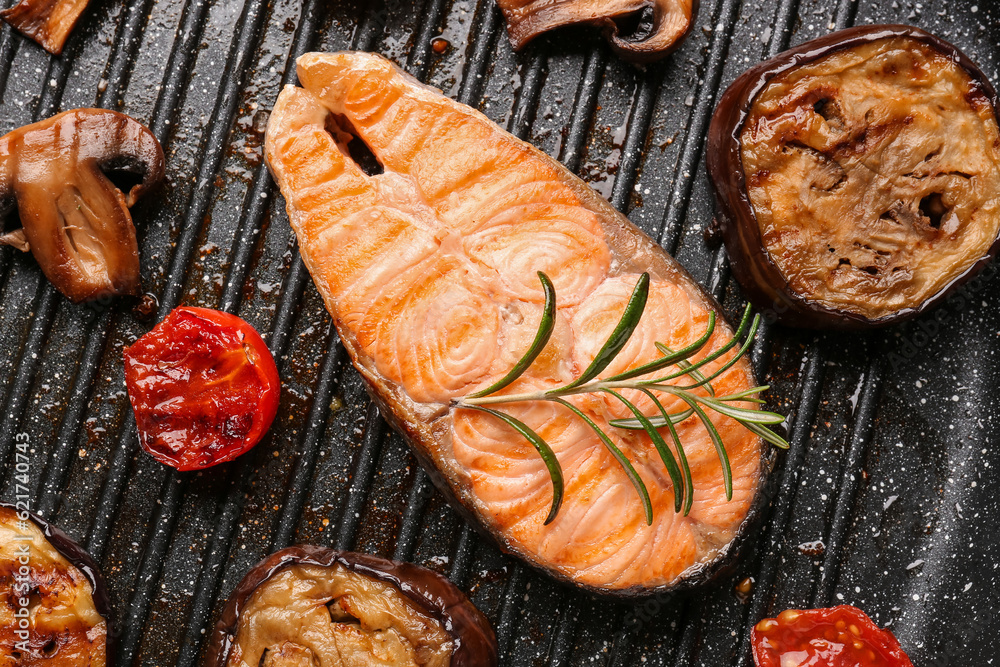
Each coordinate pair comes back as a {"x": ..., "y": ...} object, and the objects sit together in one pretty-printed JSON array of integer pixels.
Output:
[
  {"x": 639, "y": 31},
  {"x": 75, "y": 220}
]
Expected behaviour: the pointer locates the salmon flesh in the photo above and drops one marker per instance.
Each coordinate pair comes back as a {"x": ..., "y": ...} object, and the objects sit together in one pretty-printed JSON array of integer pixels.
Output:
[{"x": 429, "y": 270}]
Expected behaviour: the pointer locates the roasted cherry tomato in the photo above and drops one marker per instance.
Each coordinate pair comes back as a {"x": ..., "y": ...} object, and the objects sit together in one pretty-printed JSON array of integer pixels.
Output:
[
  {"x": 837, "y": 637},
  {"x": 203, "y": 386}
]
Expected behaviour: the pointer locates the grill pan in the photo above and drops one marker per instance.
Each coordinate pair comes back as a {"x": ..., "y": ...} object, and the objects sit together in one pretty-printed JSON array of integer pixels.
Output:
[{"x": 886, "y": 499}]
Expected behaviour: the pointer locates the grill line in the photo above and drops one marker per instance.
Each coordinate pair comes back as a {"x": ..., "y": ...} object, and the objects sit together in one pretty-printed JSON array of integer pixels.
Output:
[
  {"x": 850, "y": 482},
  {"x": 781, "y": 507},
  {"x": 46, "y": 297},
  {"x": 219, "y": 129},
  {"x": 670, "y": 231},
  {"x": 860, "y": 440},
  {"x": 122, "y": 54}
]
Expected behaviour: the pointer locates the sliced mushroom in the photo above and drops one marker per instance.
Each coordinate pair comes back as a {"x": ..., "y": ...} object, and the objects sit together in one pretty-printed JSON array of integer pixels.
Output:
[
  {"x": 858, "y": 177},
  {"x": 75, "y": 220},
  {"x": 48, "y": 22},
  {"x": 53, "y": 603},
  {"x": 639, "y": 30},
  {"x": 311, "y": 606}
]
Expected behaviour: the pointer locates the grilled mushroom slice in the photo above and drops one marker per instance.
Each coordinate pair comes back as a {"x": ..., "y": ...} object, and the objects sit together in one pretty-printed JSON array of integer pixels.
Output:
[
  {"x": 638, "y": 30},
  {"x": 76, "y": 220},
  {"x": 857, "y": 177},
  {"x": 310, "y": 605},
  {"x": 48, "y": 22},
  {"x": 53, "y": 604}
]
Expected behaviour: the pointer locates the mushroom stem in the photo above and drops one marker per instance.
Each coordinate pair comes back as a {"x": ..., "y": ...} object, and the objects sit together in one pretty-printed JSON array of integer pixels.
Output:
[
  {"x": 48, "y": 22},
  {"x": 16, "y": 239}
]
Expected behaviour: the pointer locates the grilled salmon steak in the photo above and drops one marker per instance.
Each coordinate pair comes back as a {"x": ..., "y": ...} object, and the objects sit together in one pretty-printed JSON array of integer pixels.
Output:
[{"x": 429, "y": 269}]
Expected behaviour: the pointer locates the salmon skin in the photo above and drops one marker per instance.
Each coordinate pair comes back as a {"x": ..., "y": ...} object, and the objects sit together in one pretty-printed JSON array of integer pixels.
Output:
[{"x": 429, "y": 271}]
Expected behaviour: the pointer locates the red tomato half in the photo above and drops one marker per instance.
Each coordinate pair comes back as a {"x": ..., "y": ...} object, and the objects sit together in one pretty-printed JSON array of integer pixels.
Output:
[
  {"x": 203, "y": 386},
  {"x": 841, "y": 636}
]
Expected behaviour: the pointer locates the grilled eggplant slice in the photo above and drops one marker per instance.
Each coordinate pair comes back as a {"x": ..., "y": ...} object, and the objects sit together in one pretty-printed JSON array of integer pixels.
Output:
[
  {"x": 309, "y": 605},
  {"x": 53, "y": 603},
  {"x": 857, "y": 177},
  {"x": 640, "y": 31},
  {"x": 76, "y": 220}
]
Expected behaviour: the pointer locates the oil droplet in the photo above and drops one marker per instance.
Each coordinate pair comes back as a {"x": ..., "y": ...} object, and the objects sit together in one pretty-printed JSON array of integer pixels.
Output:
[
  {"x": 260, "y": 121},
  {"x": 744, "y": 588},
  {"x": 713, "y": 234}
]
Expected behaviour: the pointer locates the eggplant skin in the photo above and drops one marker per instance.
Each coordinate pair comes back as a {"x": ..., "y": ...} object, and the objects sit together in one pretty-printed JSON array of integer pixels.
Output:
[
  {"x": 85, "y": 564},
  {"x": 752, "y": 265},
  {"x": 439, "y": 598}
]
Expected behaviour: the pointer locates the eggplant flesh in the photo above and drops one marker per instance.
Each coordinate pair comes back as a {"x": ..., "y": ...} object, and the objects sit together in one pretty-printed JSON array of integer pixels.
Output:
[
  {"x": 310, "y": 605},
  {"x": 857, "y": 177},
  {"x": 640, "y": 31},
  {"x": 53, "y": 604}
]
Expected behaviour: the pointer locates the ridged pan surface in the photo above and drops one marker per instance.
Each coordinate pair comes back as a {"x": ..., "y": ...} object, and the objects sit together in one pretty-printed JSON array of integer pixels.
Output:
[{"x": 886, "y": 499}]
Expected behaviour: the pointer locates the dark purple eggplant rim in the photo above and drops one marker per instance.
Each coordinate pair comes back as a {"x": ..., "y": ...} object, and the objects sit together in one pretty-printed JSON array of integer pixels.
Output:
[
  {"x": 475, "y": 641},
  {"x": 85, "y": 563},
  {"x": 751, "y": 263}
]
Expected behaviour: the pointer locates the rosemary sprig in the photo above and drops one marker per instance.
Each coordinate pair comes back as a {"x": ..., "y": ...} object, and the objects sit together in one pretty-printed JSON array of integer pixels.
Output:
[{"x": 588, "y": 383}]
